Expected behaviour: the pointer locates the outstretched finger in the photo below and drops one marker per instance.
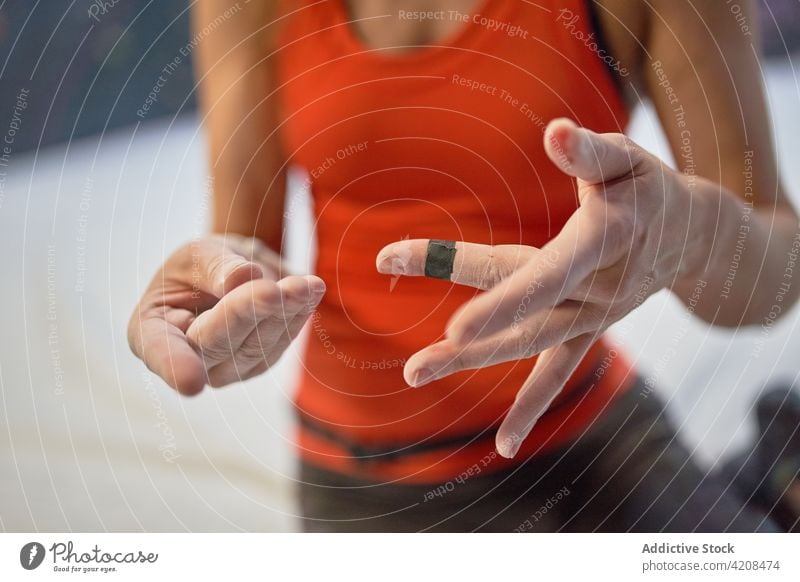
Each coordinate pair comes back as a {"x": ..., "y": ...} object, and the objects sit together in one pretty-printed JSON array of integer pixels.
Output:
[
  {"x": 476, "y": 265},
  {"x": 545, "y": 330},
  {"x": 220, "y": 331},
  {"x": 163, "y": 347},
  {"x": 260, "y": 350},
  {"x": 549, "y": 374},
  {"x": 551, "y": 276}
]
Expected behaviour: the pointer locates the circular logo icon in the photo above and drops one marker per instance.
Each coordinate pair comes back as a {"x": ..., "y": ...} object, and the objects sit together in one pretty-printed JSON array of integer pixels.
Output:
[{"x": 31, "y": 555}]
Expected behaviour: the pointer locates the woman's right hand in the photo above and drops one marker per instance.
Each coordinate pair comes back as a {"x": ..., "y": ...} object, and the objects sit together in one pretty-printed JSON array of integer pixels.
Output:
[{"x": 219, "y": 311}]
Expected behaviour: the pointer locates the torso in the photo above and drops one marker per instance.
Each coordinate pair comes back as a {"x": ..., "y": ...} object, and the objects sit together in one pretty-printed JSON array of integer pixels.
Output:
[
  {"x": 397, "y": 144},
  {"x": 622, "y": 24}
]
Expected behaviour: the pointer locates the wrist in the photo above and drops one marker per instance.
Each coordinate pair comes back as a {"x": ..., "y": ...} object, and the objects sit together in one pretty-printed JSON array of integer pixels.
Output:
[{"x": 706, "y": 220}]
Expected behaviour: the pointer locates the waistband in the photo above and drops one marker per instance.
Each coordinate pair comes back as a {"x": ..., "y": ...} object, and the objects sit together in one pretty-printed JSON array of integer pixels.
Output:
[{"x": 365, "y": 454}]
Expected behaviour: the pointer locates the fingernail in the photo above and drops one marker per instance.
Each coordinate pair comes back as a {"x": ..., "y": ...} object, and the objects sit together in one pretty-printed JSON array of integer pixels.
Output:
[
  {"x": 385, "y": 265},
  {"x": 392, "y": 265},
  {"x": 422, "y": 377},
  {"x": 584, "y": 149},
  {"x": 396, "y": 261},
  {"x": 507, "y": 451},
  {"x": 317, "y": 287},
  {"x": 509, "y": 447}
]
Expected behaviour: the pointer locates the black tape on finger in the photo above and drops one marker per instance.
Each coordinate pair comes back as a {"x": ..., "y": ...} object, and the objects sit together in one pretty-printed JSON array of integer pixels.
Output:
[{"x": 440, "y": 258}]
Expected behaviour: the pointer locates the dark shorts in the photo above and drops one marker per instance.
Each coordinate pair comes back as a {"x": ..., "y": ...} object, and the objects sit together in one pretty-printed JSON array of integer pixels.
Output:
[{"x": 627, "y": 472}]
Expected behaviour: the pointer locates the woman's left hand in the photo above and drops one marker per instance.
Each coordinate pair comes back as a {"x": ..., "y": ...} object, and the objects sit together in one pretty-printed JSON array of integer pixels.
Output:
[{"x": 627, "y": 239}]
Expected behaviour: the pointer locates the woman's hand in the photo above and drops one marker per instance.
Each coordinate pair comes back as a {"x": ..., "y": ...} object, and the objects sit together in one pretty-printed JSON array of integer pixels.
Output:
[
  {"x": 219, "y": 312},
  {"x": 627, "y": 240}
]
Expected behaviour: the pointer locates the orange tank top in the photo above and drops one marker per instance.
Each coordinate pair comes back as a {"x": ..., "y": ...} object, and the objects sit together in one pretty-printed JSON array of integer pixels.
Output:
[{"x": 442, "y": 141}]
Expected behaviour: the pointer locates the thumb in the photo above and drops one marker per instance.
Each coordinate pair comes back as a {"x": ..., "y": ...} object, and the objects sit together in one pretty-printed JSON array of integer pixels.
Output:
[
  {"x": 216, "y": 269},
  {"x": 591, "y": 157}
]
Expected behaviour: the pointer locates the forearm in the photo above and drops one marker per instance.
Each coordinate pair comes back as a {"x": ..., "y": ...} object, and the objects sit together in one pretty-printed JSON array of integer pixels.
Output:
[
  {"x": 235, "y": 82},
  {"x": 742, "y": 259}
]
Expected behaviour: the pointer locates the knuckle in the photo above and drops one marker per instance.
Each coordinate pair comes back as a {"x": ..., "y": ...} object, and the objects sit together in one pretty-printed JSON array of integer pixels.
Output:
[
  {"x": 251, "y": 352},
  {"x": 602, "y": 289},
  {"x": 631, "y": 147},
  {"x": 216, "y": 352},
  {"x": 265, "y": 295},
  {"x": 621, "y": 230},
  {"x": 212, "y": 351},
  {"x": 494, "y": 271},
  {"x": 637, "y": 287},
  {"x": 627, "y": 142},
  {"x": 591, "y": 318},
  {"x": 649, "y": 180},
  {"x": 527, "y": 343},
  {"x": 238, "y": 318},
  {"x": 628, "y": 289},
  {"x": 215, "y": 265},
  {"x": 637, "y": 156},
  {"x": 456, "y": 364}
]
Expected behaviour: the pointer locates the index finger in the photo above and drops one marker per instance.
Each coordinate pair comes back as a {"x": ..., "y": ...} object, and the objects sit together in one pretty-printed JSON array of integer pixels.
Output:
[
  {"x": 544, "y": 282},
  {"x": 164, "y": 349},
  {"x": 475, "y": 265},
  {"x": 220, "y": 331}
]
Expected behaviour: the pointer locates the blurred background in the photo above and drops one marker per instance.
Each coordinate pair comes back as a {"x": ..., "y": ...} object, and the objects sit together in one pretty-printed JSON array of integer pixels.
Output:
[{"x": 99, "y": 182}]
